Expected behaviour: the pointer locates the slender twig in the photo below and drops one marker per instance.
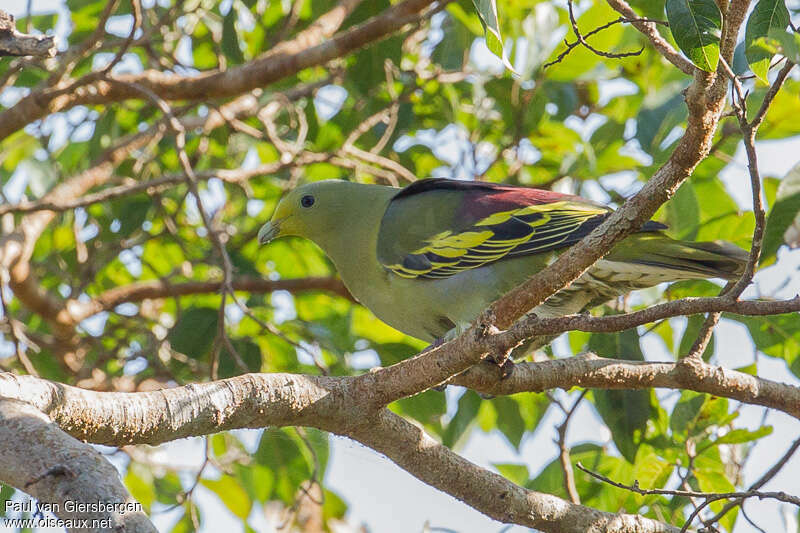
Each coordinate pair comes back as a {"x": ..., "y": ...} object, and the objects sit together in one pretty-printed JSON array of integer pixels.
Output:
[
  {"x": 581, "y": 38},
  {"x": 749, "y": 130},
  {"x": 650, "y": 30},
  {"x": 12, "y": 328},
  {"x": 768, "y": 475},
  {"x": 707, "y": 496},
  {"x": 566, "y": 463},
  {"x": 192, "y": 181}
]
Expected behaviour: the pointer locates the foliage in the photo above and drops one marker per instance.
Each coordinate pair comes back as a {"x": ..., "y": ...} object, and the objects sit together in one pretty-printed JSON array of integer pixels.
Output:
[{"x": 446, "y": 105}]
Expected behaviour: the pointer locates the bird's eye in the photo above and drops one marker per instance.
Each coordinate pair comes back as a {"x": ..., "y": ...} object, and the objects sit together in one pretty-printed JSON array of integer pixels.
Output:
[{"x": 307, "y": 200}]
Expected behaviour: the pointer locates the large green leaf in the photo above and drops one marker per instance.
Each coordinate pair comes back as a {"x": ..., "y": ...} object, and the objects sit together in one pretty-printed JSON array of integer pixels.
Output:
[
  {"x": 625, "y": 412},
  {"x": 768, "y": 15},
  {"x": 195, "y": 331},
  {"x": 457, "y": 428},
  {"x": 230, "y": 38},
  {"x": 280, "y": 451},
  {"x": 783, "y": 215},
  {"x": 487, "y": 11},
  {"x": 231, "y": 493},
  {"x": 787, "y": 42},
  {"x": 777, "y": 336},
  {"x": 453, "y": 49},
  {"x": 696, "y": 27}
]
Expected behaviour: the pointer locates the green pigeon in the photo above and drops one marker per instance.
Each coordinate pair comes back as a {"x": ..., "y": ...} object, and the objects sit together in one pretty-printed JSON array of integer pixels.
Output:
[{"x": 427, "y": 259}]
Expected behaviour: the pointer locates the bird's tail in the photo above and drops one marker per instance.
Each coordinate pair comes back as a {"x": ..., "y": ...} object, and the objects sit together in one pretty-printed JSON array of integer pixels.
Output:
[{"x": 684, "y": 259}]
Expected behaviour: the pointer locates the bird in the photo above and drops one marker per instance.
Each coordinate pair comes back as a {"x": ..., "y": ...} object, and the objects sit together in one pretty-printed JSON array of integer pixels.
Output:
[{"x": 428, "y": 258}]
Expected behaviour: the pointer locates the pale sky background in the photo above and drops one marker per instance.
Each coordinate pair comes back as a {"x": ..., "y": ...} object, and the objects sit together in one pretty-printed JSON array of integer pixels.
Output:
[{"x": 387, "y": 499}]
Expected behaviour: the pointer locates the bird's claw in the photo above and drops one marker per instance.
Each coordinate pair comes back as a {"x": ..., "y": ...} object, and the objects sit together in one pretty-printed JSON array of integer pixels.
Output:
[
  {"x": 506, "y": 369},
  {"x": 504, "y": 363},
  {"x": 435, "y": 344}
]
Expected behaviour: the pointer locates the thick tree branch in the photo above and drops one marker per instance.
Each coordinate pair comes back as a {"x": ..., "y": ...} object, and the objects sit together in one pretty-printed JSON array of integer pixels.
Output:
[
  {"x": 14, "y": 43},
  {"x": 331, "y": 404},
  {"x": 419, "y": 454},
  {"x": 438, "y": 364},
  {"x": 40, "y": 459},
  {"x": 591, "y": 371}
]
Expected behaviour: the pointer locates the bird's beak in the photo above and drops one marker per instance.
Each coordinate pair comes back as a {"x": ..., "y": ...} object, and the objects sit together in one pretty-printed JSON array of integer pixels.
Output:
[{"x": 269, "y": 231}]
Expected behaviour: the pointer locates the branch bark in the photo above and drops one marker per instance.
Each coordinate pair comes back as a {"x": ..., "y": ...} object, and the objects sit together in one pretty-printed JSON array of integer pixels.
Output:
[
  {"x": 592, "y": 371},
  {"x": 42, "y": 460},
  {"x": 14, "y": 43},
  {"x": 330, "y": 404}
]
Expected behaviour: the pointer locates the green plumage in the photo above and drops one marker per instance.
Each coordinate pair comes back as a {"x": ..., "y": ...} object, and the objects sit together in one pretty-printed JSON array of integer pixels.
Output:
[{"x": 431, "y": 257}]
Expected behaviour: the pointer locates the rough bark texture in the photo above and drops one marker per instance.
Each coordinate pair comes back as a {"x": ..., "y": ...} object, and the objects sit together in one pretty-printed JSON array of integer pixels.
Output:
[
  {"x": 58, "y": 470},
  {"x": 14, "y": 43}
]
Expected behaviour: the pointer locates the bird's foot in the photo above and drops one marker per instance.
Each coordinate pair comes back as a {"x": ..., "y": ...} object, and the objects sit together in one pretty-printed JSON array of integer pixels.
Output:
[
  {"x": 456, "y": 331},
  {"x": 504, "y": 363},
  {"x": 435, "y": 344}
]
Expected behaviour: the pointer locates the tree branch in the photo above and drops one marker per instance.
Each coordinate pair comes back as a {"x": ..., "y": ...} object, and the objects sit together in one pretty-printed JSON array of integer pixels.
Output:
[
  {"x": 413, "y": 450},
  {"x": 40, "y": 459},
  {"x": 14, "y": 43},
  {"x": 590, "y": 370},
  {"x": 331, "y": 404},
  {"x": 705, "y": 108}
]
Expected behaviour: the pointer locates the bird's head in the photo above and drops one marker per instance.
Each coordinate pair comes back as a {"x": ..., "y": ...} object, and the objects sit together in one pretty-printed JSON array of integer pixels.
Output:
[{"x": 309, "y": 211}]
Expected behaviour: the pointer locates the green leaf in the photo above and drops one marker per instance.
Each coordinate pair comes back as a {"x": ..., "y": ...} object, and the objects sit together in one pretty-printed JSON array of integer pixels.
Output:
[
  {"x": 686, "y": 411},
  {"x": 683, "y": 212},
  {"x": 751, "y": 369},
  {"x": 625, "y": 412},
  {"x": 6, "y": 492},
  {"x": 513, "y": 472},
  {"x": 487, "y": 11},
  {"x": 655, "y": 121},
  {"x": 334, "y": 506},
  {"x": 248, "y": 351},
  {"x": 783, "y": 215},
  {"x": 509, "y": 419},
  {"x": 468, "y": 406},
  {"x": 453, "y": 50},
  {"x": 650, "y": 470},
  {"x": 690, "y": 335},
  {"x": 230, "y": 39},
  {"x": 284, "y": 453},
  {"x": 777, "y": 336},
  {"x": 788, "y": 43},
  {"x": 231, "y": 493},
  {"x": 740, "y": 435},
  {"x": 257, "y": 480},
  {"x": 168, "y": 488},
  {"x": 426, "y": 408},
  {"x": 139, "y": 481},
  {"x": 195, "y": 331},
  {"x": 131, "y": 213},
  {"x": 696, "y": 27},
  {"x": 766, "y": 16}
]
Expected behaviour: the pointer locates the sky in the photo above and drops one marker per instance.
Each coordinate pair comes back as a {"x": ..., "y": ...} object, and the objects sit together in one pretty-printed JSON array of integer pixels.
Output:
[{"x": 387, "y": 499}]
